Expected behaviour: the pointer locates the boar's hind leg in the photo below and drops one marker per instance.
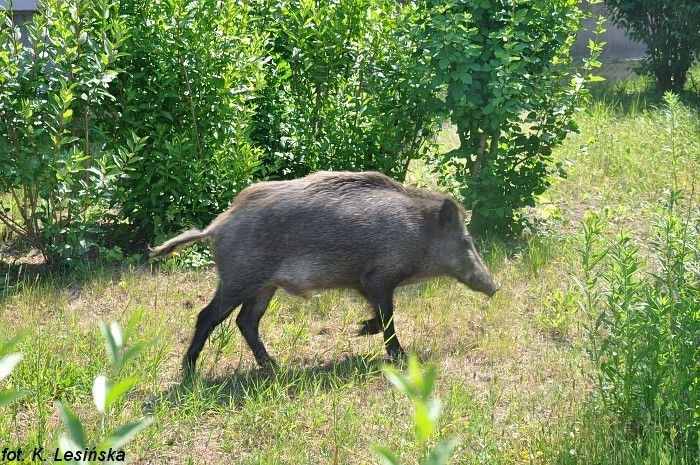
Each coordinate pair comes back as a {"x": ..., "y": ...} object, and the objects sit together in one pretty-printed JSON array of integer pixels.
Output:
[
  {"x": 383, "y": 305},
  {"x": 220, "y": 307},
  {"x": 248, "y": 322}
]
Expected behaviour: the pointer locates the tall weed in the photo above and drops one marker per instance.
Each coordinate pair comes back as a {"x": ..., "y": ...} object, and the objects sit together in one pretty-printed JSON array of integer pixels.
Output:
[
  {"x": 641, "y": 301},
  {"x": 643, "y": 324},
  {"x": 418, "y": 385},
  {"x": 106, "y": 394}
]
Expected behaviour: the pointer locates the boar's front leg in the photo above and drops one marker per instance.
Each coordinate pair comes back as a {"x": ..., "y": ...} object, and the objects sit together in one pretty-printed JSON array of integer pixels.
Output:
[
  {"x": 369, "y": 327},
  {"x": 248, "y": 321},
  {"x": 381, "y": 297}
]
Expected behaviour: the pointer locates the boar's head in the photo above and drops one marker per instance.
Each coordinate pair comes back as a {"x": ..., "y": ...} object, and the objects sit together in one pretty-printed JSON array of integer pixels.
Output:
[{"x": 456, "y": 251}]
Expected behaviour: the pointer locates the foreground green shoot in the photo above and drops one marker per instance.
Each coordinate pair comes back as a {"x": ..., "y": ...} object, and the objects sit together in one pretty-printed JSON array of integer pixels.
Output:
[{"x": 418, "y": 385}]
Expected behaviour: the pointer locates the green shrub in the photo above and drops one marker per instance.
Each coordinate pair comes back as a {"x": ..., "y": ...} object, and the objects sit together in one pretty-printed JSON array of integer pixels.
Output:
[
  {"x": 642, "y": 304},
  {"x": 504, "y": 67},
  {"x": 343, "y": 90},
  {"x": 191, "y": 71},
  {"x": 644, "y": 326},
  {"x": 58, "y": 169}
]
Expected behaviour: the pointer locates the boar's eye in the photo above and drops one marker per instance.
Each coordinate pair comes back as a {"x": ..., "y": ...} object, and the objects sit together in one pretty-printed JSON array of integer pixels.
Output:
[{"x": 467, "y": 240}]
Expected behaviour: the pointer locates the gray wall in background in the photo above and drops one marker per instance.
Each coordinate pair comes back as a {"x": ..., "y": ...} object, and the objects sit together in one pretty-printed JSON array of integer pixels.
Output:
[
  {"x": 617, "y": 47},
  {"x": 22, "y": 12},
  {"x": 19, "y": 5}
]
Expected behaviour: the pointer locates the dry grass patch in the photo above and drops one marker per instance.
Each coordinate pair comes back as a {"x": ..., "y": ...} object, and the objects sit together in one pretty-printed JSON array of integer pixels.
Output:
[{"x": 327, "y": 404}]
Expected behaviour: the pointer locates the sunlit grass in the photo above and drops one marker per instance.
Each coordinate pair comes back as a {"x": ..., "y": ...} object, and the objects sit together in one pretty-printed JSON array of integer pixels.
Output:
[
  {"x": 327, "y": 403},
  {"x": 512, "y": 372}
]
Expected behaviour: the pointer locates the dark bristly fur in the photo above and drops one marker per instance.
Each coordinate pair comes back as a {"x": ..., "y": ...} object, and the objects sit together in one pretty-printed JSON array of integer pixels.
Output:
[{"x": 362, "y": 231}]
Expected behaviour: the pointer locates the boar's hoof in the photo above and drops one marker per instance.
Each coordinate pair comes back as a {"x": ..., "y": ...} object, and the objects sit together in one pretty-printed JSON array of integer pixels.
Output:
[
  {"x": 188, "y": 373},
  {"x": 268, "y": 364},
  {"x": 396, "y": 354},
  {"x": 188, "y": 365},
  {"x": 371, "y": 326}
]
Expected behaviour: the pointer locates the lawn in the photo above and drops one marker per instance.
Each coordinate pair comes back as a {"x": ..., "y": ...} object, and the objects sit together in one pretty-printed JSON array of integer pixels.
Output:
[{"x": 514, "y": 374}]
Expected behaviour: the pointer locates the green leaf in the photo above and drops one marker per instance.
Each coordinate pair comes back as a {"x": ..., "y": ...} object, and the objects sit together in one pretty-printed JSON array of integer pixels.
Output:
[
  {"x": 386, "y": 457},
  {"x": 398, "y": 380},
  {"x": 72, "y": 422},
  {"x": 7, "y": 364},
  {"x": 10, "y": 344},
  {"x": 9, "y": 396},
  {"x": 466, "y": 78},
  {"x": 424, "y": 424},
  {"x": 440, "y": 453},
  {"x": 124, "y": 434},
  {"x": 457, "y": 91},
  {"x": 594, "y": 78},
  {"x": 117, "y": 334},
  {"x": 100, "y": 390},
  {"x": 118, "y": 390},
  {"x": 428, "y": 381},
  {"x": 415, "y": 374},
  {"x": 113, "y": 341}
]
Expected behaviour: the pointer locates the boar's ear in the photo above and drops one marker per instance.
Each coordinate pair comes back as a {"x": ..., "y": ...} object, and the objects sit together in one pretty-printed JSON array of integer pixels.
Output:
[{"x": 449, "y": 212}]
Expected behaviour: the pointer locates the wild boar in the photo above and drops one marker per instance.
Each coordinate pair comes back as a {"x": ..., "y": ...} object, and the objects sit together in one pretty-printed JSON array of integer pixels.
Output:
[{"x": 362, "y": 231}]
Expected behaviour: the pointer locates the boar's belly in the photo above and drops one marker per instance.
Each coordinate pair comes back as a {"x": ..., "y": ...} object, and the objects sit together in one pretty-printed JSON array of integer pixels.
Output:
[{"x": 298, "y": 277}]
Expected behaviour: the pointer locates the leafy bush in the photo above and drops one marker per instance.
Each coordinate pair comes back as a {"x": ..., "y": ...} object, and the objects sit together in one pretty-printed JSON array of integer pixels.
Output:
[
  {"x": 58, "y": 168},
  {"x": 161, "y": 112},
  {"x": 191, "y": 71},
  {"x": 671, "y": 31},
  {"x": 504, "y": 68},
  {"x": 343, "y": 89},
  {"x": 644, "y": 331}
]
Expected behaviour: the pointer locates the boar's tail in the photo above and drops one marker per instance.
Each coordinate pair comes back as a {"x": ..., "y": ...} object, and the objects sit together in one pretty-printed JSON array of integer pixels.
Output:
[{"x": 177, "y": 242}]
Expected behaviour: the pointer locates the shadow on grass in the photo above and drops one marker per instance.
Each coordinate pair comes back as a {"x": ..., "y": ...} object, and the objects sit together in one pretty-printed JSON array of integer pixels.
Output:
[
  {"x": 288, "y": 381},
  {"x": 631, "y": 96},
  {"x": 13, "y": 276},
  {"x": 22, "y": 266},
  {"x": 17, "y": 278}
]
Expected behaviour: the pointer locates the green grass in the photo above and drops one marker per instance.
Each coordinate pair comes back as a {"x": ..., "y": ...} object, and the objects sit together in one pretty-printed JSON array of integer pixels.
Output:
[{"x": 513, "y": 374}]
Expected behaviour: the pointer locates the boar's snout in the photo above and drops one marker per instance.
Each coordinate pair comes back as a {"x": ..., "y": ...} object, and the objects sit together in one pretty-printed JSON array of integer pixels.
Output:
[
  {"x": 483, "y": 282},
  {"x": 473, "y": 272},
  {"x": 493, "y": 289}
]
